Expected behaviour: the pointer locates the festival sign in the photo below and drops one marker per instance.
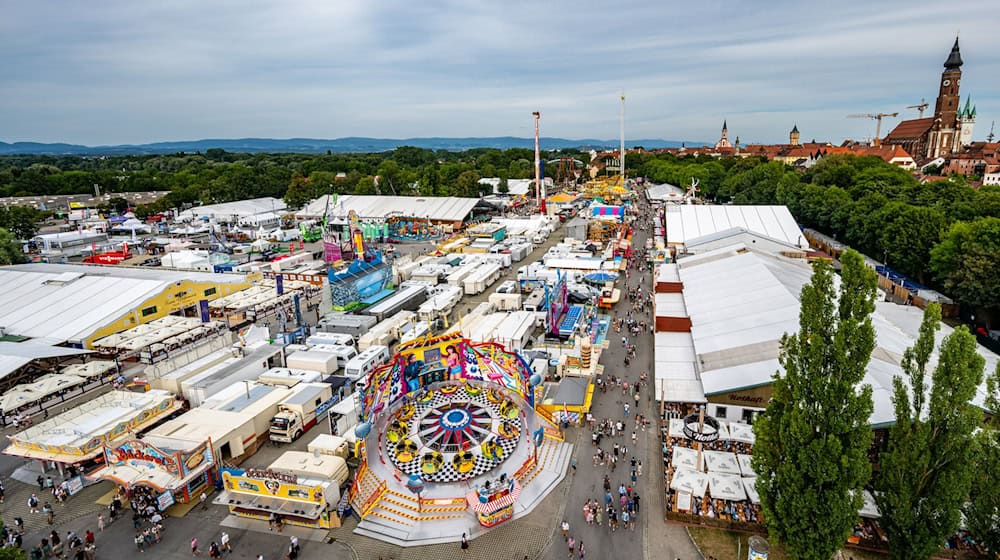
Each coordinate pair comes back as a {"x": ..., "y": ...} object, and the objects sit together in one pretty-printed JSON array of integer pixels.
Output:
[
  {"x": 194, "y": 460},
  {"x": 137, "y": 453}
]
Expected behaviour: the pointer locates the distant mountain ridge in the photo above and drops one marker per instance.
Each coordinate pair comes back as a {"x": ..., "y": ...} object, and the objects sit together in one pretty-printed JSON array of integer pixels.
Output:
[{"x": 312, "y": 145}]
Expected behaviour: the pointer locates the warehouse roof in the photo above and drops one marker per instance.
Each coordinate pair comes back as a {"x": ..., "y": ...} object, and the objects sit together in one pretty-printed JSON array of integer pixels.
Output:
[
  {"x": 56, "y": 303},
  {"x": 440, "y": 208},
  {"x": 14, "y": 355},
  {"x": 665, "y": 191},
  {"x": 686, "y": 222},
  {"x": 740, "y": 305}
]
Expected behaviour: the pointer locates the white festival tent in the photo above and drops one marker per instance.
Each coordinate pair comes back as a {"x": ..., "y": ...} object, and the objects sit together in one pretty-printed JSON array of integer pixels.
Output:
[{"x": 868, "y": 508}]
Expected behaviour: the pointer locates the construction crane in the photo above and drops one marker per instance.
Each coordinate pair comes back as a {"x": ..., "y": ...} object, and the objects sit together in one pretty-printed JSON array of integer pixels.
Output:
[
  {"x": 923, "y": 106},
  {"x": 878, "y": 125}
]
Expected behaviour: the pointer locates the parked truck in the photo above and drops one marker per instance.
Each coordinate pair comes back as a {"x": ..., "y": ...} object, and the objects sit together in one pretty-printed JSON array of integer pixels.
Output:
[{"x": 301, "y": 411}]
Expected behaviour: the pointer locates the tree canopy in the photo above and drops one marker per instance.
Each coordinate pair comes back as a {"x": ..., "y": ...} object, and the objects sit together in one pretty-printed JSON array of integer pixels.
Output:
[
  {"x": 926, "y": 473},
  {"x": 811, "y": 453}
]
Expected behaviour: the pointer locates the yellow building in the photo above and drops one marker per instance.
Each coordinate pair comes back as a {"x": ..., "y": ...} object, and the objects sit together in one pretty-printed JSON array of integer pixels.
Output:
[{"x": 75, "y": 305}]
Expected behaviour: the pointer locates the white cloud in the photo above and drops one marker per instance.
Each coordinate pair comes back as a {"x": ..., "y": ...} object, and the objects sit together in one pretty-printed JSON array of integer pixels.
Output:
[{"x": 122, "y": 72}]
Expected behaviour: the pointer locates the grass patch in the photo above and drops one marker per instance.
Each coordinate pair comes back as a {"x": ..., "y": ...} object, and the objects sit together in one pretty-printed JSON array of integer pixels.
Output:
[{"x": 727, "y": 544}]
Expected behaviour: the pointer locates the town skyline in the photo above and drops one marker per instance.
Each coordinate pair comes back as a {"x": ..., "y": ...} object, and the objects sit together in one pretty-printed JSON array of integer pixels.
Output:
[{"x": 132, "y": 74}]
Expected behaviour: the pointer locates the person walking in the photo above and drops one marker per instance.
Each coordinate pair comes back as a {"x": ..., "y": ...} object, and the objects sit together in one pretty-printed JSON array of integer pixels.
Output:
[
  {"x": 194, "y": 546},
  {"x": 224, "y": 542},
  {"x": 571, "y": 545},
  {"x": 565, "y": 529},
  {"x": 100, "y": 522},
  {"x": 49, "y": 512},
  {"x": 33, "y": 502},
  {"x": 465, "y": 544},
  {"x": 204, "y": 501}
]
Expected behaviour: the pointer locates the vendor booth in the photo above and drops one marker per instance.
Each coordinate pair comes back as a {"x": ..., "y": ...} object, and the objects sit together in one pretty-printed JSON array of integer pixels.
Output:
[
  {"x": 301, "y": 488},
  {"x": 176, "y": 470}
]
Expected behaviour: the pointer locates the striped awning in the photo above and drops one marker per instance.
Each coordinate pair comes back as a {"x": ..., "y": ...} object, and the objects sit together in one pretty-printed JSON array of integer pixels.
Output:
[{"x": 489, "y": 507}]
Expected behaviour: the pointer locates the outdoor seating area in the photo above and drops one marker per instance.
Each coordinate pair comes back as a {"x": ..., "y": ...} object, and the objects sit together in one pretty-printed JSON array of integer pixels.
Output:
[{"x": 714, "y": 482}]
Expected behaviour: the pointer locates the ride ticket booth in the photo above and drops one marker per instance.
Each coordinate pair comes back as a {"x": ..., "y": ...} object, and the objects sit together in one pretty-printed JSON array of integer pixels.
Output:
[
  {"x": 494, "y": 501},
  {"x": 176, "y": 470}
]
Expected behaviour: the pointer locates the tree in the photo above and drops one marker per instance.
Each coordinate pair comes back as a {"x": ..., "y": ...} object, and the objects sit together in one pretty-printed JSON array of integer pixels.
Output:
[
  {"x": 12, "y": 553},
  {"x": 118, "y": 204},
  {"x": 907, "y": 234},
  {"x": 967, "y": 262},
  {"x": 301, "y": 190},
  {"x": 10, "y": 250},
  {"x": 983, "y": 508},
  {"x": 926, "y": 472},
  {"x": 811, "y": 454},
  {"x": 468, "y": 185},
  {"x": 504, "y": 186},
  {"x": 19, "y": 220}
]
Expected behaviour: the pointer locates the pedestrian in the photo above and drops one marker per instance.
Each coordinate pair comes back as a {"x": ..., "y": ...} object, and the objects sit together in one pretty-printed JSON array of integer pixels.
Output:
[
  {"x": 41, "y": 481},
  {"x": 580, "y": 551},
  {"x": 33, "y": 503},
  {"x": 204, "y": 500},
  {"x": 1, "y": 491},
  {"x": 49, "y": 512},
  {"x": 565, "y": 529},
  {"x": 194, "y": 546},
  {"x": 571, "y": 545},
  {"x": 214, "y": 551},
  {"x": 139, "y": 541},
  {"x": 633, "y": 437},
  {"x": 465, "y": 544},
  {"x": 572, "y": 463},
  {"x": 224, "y": 541},
  {"x": 639, "y": 468}
]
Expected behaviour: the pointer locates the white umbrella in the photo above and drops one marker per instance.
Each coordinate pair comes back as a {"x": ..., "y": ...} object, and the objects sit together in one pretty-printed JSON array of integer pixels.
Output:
[
  {"x": 685, "y": 458},
  {"x": 726, "y": 487},
  {"x": 691, "y": 481},
  {"x": 750, "y": 485},
  {"x": 676, "y": 428},
  {"x": 741, "y": 432},
  {"x": 868, "y": 508},
  {"x": 722, "y": 462},
  {"x": 745, "y": 467}
]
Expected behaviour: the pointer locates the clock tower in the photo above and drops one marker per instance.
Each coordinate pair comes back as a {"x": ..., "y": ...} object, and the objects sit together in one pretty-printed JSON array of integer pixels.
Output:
[{"x": 945, "y": 131}]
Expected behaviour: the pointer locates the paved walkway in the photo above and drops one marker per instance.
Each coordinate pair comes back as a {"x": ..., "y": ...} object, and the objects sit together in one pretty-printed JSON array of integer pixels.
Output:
[{"x": 652, "y": 537}]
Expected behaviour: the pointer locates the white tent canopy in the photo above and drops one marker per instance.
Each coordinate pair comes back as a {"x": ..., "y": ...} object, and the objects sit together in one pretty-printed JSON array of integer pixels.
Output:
[
  {"x": 685, "y": 458},
  {"x": 745, "y": 467},
  {"x": 93, "y": 368},
  {"x": 691, "y": 481},
  {"x": 721, "y": 462},
  {"x": 30, "y": 393},
  {"x": 726, "y": 487}
]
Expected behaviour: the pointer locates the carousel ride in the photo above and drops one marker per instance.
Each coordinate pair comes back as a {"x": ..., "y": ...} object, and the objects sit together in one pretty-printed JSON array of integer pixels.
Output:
[
  {"x": 453, "y": 432},
  {"x": 446, "y": 415}
]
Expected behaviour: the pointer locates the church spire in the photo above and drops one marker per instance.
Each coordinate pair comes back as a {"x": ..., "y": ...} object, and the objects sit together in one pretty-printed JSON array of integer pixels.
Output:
[
  {"x": 724, "y": 127},
  {"x": 954, "y": 61}
]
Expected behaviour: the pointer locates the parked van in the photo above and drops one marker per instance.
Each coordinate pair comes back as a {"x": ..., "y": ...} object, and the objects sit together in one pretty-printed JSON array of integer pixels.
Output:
[{"x": 366, "y": 362}]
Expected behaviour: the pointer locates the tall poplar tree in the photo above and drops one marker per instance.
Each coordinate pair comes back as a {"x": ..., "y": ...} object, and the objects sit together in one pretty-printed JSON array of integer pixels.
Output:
[
  {"x": 926, "y": 472},
  {"x": 811, "y": 454},
  {"x": 982, "y": 513}
]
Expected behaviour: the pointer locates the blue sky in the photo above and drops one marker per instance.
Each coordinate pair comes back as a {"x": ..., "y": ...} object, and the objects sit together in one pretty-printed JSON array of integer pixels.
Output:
[{"x": 109, "y": 72}]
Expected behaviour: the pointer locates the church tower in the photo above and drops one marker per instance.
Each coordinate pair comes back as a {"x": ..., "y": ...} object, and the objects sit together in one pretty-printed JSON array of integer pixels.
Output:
[
  {"x": 946, "y": 130},
  {"x": 793, "y": 136},
  {"x": 724, "y": 141}
]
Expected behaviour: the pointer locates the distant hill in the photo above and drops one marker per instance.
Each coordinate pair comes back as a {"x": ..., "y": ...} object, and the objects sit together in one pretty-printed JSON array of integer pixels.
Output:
[{"x": 313, "y": 146}]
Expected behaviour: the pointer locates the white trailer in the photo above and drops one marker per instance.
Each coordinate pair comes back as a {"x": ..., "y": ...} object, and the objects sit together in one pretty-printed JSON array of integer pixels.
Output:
[
  {"x": 483, "y": 278},
  {"x": 314, "y": 360},
  {"x": 505, "y": 302},
  {"x": 440, "y": 304},
  {"x": 330, "y": 339}
]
